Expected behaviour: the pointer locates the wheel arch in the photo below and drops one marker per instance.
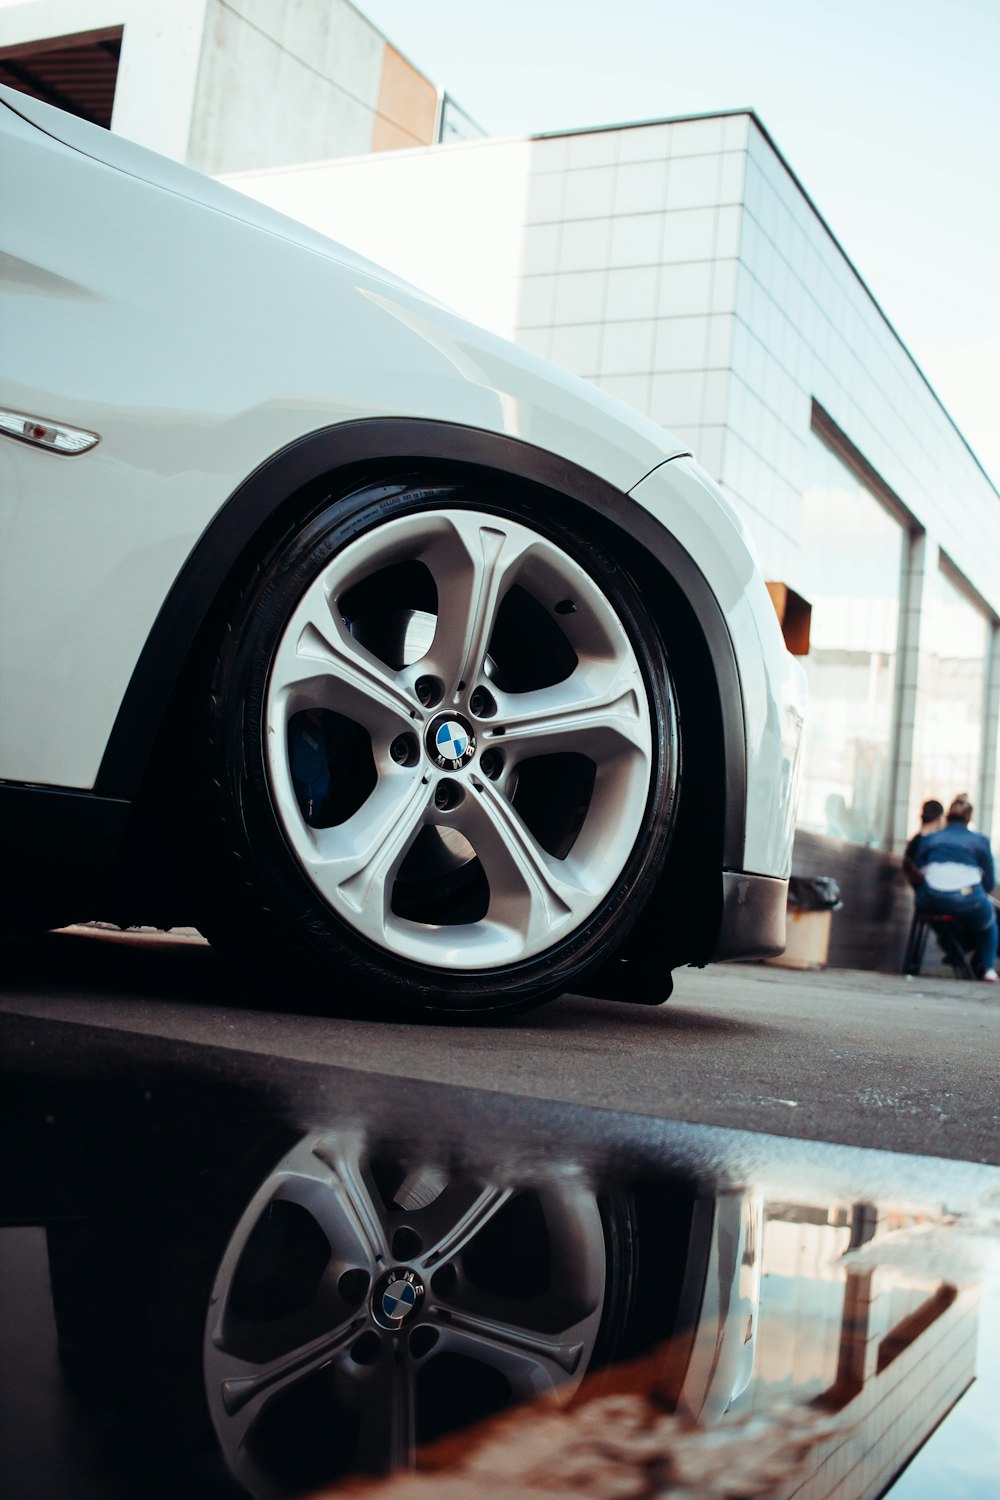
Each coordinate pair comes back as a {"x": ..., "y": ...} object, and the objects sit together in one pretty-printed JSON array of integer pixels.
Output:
[{"x": 354, "y": 453}]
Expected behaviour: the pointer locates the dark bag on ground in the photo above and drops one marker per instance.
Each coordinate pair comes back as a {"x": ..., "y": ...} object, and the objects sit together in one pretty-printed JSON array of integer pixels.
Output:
[{"x": 814, "y": 893}]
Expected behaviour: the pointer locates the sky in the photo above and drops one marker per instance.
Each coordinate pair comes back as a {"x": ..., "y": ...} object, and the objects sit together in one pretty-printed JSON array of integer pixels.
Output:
[{"x": 888, "y": 111}]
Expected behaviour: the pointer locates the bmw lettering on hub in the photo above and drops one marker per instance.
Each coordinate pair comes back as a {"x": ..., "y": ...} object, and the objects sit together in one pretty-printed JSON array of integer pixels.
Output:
[
  {"x": 451, "y": 742},
  {"x": 396, "y": 1298}
]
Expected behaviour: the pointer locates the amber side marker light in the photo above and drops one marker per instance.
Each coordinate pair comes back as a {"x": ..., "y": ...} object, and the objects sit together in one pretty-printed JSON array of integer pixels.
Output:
[{"x": 794, "y": 615}]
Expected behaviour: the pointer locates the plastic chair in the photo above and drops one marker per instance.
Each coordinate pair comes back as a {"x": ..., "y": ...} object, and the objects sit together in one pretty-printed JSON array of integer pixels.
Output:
[{"x": 916, "y": 944}]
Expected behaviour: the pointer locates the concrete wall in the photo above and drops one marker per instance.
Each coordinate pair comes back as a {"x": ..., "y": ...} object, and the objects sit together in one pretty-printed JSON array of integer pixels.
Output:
[
  {"x": 264, "y": 91},
  {"x": 298, "y": 82}
]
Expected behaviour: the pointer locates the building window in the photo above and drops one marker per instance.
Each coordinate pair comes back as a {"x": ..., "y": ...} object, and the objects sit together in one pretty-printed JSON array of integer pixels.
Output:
[
  {"x": 851, "y": 561},
  {"x": 954, "y": 640}
]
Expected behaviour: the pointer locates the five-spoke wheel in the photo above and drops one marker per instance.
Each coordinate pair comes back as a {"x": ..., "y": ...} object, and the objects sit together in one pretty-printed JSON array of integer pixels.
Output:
[{"x": 462, "y": 727}]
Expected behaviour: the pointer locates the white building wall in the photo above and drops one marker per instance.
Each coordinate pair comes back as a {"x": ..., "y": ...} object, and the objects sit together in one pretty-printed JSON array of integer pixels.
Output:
[{"x": 449, "y": 219}]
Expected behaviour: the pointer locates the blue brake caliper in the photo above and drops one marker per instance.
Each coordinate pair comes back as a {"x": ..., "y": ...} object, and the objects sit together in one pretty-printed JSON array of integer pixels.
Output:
[{"x": 309, "y": 765}]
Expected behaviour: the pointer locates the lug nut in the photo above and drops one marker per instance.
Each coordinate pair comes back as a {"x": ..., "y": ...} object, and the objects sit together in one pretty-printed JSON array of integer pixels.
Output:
[
  {"x": 482, "y": 703},
  {"x": 353, "y": 1287},
  {"x": 429, "y": 690},
  {"x": 422, "y": 1340},
  {"x": 491, "y": 763},
  {"x": 448, "y": 795},
  {"x": 404, "y": 750},
  {"x": 367, "y": 1350},
  {"x": 406, "y": 1245}
]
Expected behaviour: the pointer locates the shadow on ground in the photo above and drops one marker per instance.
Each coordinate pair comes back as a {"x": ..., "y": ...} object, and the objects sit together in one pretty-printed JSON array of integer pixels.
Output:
[{"x": 105, "y": 964}]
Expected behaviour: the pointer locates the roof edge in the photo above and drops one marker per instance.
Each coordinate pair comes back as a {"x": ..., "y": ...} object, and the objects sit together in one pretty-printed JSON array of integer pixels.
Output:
[{"x": 724, "y": 114}]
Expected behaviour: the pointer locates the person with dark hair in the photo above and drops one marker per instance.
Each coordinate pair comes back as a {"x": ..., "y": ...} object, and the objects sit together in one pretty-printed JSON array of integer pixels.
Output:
[
  {"x": 956, "y": 873},
  {"x": 931, "y": 819}
]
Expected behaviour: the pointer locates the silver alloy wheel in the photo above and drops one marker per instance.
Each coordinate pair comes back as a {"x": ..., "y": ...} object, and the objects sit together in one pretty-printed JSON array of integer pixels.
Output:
[
  {"x": 524, "y": 830},
  {"x": 292, "y": 1332}
]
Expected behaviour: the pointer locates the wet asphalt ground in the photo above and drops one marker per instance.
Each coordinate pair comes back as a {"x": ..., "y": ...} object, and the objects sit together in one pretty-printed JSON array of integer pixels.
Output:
[{"x": 857, "y": 1059}]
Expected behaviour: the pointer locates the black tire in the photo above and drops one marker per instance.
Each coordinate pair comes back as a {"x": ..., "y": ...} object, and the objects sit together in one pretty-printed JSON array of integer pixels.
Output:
[{"x": 264, "y": 902}]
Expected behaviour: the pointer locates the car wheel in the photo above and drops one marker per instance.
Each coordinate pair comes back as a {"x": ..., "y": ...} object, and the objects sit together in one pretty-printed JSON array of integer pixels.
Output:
[
  {"x": 444, "y": 748},
  {"x": 365, "y": 1307}
]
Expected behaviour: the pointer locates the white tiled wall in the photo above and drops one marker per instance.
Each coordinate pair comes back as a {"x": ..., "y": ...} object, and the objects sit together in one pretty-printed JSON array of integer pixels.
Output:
[{"x": 631, "y": 268}]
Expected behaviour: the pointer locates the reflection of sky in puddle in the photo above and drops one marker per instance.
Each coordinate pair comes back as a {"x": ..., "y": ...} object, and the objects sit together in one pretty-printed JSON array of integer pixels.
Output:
[{"x": 961, "y": 1460}]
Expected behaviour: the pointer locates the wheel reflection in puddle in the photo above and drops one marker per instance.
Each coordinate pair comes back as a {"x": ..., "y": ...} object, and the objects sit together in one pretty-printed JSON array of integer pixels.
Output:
[{"x": 365, "y": 1306}]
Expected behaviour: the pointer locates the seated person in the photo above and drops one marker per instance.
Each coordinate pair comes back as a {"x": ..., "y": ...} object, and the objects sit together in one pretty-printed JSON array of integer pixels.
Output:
[
  {"x": 931, "y": 820},
  {"x": 955, "y": 867}
]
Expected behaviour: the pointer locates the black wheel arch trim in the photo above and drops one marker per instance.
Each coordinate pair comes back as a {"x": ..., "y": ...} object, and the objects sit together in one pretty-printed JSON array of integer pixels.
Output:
[{"x": 372, "y": 448}]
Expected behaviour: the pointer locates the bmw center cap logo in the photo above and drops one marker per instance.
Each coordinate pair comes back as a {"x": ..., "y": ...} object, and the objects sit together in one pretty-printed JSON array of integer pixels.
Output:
[
  {"x": 451, "y": 743},
  {"x": 396, "y": 1297}
]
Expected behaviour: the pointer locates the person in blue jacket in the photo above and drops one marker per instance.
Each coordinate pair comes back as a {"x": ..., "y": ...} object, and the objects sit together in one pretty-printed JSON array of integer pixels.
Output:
[{"x": 956, "y": 873}]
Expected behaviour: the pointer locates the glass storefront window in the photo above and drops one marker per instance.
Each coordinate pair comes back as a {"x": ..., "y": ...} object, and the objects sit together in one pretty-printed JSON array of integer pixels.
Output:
[
  {"x": 950, "y": 697},
  {"x": 851, "y": 563}
]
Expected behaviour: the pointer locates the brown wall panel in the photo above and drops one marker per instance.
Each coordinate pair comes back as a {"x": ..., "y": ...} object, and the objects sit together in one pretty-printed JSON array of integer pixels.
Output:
[{"x": 407, "y": 106}]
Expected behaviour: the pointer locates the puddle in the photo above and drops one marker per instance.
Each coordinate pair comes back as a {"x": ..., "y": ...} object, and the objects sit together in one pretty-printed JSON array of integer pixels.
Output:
[{"x": 224, "y": 1276}]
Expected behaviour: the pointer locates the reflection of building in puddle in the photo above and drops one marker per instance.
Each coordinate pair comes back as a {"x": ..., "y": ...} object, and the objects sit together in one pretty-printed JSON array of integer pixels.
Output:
[{"x": 890, "y": 1351}]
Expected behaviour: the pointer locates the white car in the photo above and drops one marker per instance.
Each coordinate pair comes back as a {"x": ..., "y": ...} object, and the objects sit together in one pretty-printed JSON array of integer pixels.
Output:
[{"x": 384, "y": 652}]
